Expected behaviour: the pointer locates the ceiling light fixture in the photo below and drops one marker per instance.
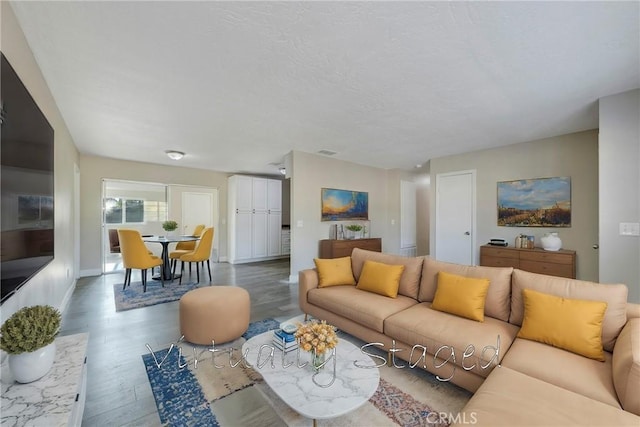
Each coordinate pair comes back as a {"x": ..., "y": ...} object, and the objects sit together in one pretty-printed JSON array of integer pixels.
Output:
[
  {"x": 174, "y": 155},
  {"x": 283, "y": 171}
]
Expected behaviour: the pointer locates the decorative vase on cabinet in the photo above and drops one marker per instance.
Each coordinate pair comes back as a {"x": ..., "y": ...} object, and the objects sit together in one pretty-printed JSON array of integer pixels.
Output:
[
  {"x": 551, "y": 242},
  {"x": 31, "y": 366}
]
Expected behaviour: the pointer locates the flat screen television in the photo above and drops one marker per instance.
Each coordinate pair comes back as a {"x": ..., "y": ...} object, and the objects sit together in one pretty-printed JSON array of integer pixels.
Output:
[{"x": 26, "y": 188}]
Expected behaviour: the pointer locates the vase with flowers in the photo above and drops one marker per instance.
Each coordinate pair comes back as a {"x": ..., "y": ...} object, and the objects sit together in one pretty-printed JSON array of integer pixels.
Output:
[{"x": 318, "y": 338}]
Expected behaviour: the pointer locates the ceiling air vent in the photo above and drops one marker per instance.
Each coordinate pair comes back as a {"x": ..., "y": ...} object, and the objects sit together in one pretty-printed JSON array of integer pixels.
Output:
[{"x": 327, "y": 152}]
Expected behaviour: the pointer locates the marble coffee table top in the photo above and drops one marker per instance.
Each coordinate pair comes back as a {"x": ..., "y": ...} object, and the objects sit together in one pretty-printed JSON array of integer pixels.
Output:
[{"x": 351, "y": 388}]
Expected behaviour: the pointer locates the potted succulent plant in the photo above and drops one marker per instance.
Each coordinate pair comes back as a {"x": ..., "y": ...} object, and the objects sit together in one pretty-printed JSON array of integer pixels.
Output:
[
  {"x": 28, "y": 336},
  {"x": 170, "y": 226},
  {"x": 354, "y": 229}
]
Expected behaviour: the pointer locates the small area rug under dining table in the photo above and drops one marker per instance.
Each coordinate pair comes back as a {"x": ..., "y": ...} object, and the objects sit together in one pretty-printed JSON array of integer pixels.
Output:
[{"x": 133, "y": 296}]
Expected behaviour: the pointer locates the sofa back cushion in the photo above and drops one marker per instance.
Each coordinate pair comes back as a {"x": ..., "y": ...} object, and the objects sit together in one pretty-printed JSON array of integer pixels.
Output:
[
  {"x": 614, "y": 295},
  {"x": 498, "y": 297},
  {"x": 626, "y": 366},
  {"x": 410, "y": 279}
]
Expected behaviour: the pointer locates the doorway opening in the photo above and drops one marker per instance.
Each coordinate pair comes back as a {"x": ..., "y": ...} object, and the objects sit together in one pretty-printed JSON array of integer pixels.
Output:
[{"x": 144, "y": 206}]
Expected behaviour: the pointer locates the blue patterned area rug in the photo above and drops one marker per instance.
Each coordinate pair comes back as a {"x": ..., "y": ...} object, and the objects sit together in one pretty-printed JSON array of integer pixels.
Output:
[
  {"x": 198, "y": 394},
  {"x": 133, "y": 297}
]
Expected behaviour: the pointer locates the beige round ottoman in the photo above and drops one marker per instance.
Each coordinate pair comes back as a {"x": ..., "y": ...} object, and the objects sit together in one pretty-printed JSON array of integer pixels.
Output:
[{"x": 214, "y": 313}]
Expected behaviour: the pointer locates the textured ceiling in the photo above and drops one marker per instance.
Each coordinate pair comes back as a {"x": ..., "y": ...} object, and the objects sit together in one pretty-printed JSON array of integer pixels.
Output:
[{"x": 238, "y": 85}]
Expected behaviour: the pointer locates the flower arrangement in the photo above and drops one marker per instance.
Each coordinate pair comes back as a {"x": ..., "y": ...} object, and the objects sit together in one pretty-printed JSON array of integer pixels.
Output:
[
  {"x": 169, "y": 225},
  {"x": 354, "y": 227},
  {"x": 316, "y": 336},
  {"x": 29, "y": 329}
]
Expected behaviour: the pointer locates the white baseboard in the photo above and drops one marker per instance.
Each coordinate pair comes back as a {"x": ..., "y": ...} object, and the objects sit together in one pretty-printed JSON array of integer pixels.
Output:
[
  {"x": 67, "y": 297},
  {"x": 89, "y": 273},
  {"x": 250, "y": 260}
]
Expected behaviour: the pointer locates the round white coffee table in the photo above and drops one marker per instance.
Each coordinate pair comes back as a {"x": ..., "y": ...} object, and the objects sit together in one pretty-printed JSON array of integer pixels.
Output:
[{"x": 351, "y": 387}]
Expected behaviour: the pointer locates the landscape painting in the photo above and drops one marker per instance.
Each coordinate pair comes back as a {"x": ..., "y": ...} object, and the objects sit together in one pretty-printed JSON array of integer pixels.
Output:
[
  {"x": 342, "y": 205},
  {"x": 544, "y": 202}
]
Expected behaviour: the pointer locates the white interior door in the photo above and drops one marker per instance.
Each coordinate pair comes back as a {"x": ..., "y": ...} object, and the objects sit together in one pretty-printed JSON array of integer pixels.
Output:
[
  {"x": 455, "y": 217},
  {"x": 201, "y": 208}
]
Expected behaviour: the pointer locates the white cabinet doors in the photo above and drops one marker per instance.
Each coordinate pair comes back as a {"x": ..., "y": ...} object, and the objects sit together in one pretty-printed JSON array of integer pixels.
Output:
[
  {"x": 275, "y": 233},
  {"x": 243, "y": 194},
  {"x": 274, "y": 191},
  {"x": 260, "y": 234},
  {"x": 255, "y": 218},
  {"x": 243, "y": 235},
  {"x": 259, "y": 194}
]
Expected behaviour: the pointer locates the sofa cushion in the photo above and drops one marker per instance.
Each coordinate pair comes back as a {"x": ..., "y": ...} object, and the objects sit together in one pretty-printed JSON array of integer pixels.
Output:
[
  {"x": 462, "y": 296},
  {"x": 422, "y": 325},
  {"x": 498, "y": 301},
  {"x": 334, "y": 272},
  {"x": 365, "y": 308},
  {"x": 570, "y": 324},
  {"x": 380, "y": 278},
  {"x": 614, "y": 295},
  {"x": 626, "y": 366},
  {"x": 564, "y": 369},
  {"x": 511, "y": 398},
  {"x": 410, "y": 279}
]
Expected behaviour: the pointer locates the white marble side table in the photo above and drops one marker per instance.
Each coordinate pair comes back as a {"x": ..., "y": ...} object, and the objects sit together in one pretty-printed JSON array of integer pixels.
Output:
[
  {"x": 350, "y": 389},
  {"x": 57, "y": 399}
]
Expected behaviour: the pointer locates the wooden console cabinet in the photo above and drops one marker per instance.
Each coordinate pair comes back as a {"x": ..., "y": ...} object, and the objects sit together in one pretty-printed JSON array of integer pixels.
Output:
[
  {"x": 554, "y": 263},
  {"x": 341, "y": 248}
]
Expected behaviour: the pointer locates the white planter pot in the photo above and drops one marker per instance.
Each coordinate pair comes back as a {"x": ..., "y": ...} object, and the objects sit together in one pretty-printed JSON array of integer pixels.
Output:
[
  {"x": 551, "y": 242},
  {"x": 28, "y": 367}
]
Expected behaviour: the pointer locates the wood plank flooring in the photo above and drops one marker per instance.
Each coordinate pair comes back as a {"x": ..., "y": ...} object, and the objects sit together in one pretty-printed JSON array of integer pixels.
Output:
[{"x": 118, "y": 391}]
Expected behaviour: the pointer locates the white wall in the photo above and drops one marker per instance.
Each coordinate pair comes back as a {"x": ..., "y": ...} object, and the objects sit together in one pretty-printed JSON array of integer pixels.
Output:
[
  {"x": 423, "y": 194},
  {"x": 619, "y": 160},
  {"x": 54, "y": 284},
  {"x": 94, "y": 169},
  {"x": 310, "y": 173},
  {"x": 574, "y": 155}
]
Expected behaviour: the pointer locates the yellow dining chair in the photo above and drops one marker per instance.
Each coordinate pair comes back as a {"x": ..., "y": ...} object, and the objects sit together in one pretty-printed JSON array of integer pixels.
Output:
[
  {"x": 183, "y": 248},
  {"x": 136, "y": 255},
  {"x": 201, "y": 254}
]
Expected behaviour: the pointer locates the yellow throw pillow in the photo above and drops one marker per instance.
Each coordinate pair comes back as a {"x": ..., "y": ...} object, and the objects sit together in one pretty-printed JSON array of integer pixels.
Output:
[
  {"x": 462, "y": 296},
  {"x": 380, "y": 278},
  {"x": 571, "y": 324},
  {"x": 334, "y": 272}
]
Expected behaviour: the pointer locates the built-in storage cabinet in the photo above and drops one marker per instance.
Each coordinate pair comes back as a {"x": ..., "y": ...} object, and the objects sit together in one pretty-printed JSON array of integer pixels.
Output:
[
  {"x": 331, "y": 248},
  {"x": 554, "y": 263},
  {"x": 255, "y": 218}
]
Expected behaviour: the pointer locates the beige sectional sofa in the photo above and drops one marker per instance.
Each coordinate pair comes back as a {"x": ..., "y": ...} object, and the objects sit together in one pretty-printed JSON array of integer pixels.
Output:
[{"x": 515, "y": 381}]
